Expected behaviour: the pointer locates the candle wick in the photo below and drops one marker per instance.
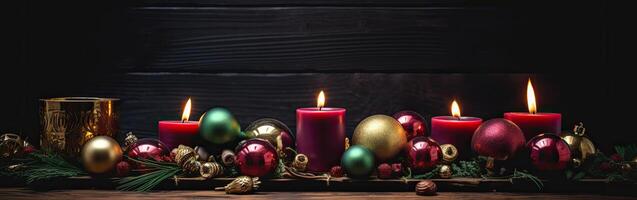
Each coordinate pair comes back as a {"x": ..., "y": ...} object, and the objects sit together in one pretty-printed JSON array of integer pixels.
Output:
[
  {"x": 183, "y": 120},
  {"x": 320, "y": 108}
]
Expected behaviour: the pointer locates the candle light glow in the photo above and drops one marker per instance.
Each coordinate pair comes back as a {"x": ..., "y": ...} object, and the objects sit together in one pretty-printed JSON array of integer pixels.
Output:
[
  {"x": 186, "y": 114},
  {"x": 455, "y": 109},
  {"x": 530, "y": 98},
  {"x": 320, "y": 101}
]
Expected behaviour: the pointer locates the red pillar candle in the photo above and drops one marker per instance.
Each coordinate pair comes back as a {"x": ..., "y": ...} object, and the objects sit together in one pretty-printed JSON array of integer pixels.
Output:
[
  {"x": 174, "y": 133},
  {"x": 455, "y": 129},
  {"x": 534, "y": 123},
  {"x": 320, "y": 135}
]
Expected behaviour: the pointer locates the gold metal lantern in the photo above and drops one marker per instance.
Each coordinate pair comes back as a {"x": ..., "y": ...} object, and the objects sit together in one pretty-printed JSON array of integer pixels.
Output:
[{"x": 67, "y": 123}]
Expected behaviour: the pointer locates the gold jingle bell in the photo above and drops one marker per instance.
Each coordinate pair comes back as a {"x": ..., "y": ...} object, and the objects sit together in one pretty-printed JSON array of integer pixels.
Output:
[
  {"x": 581, "y": 147},
  {"x": 300, "y": 162},
  {"x": 10, "y": 145},
  {"x": 241, "y": 185},
  {"x": 445, "y": 171},
  {"x": 449, "y": 153}
]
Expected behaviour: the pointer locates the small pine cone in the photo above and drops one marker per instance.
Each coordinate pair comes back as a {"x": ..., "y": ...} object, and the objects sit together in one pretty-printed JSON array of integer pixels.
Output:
[
  {"x": 122, "y": 169},
  {"x": 336, "y": 171},
  {"x": 426, "y": 188},
  {"x": 384, "y": 171},
  {"x": 397, "y": 169}
]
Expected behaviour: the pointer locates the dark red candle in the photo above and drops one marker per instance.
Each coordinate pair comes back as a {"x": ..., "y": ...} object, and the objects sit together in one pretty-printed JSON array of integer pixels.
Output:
[
  {"x": 320, "y": 135},
  {"x": 174, "y": 133},
  {"x": 534, "y": 123},
  {"x": 455, "y": 129}
]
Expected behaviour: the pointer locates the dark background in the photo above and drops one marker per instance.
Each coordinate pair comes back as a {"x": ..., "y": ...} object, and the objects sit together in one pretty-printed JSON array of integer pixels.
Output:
[{"x": 262, "y": 58}]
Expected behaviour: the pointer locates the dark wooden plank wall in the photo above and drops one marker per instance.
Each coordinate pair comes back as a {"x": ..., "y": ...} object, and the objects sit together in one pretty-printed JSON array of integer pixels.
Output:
[{"x": 265, "y": 58}]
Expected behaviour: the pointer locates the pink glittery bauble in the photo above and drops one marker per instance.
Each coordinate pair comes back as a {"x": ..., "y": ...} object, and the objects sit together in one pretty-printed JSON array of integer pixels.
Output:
[
  {"x": 549, "y": 152},
  {"x": 423, "y": 153},
  {"x": 498, "y": 138},
  {"x": 256, "y": 157},
  {"x": 412, "y": 122}
]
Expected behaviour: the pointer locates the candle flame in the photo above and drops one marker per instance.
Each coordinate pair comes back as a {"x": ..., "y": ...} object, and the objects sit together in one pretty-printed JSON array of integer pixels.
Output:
[
  {"x": 186, "y": 115},
  {"x": 455, "y": 109},
  {"x": 530, "y": 98},
  {"x": 320, "y": 101}
]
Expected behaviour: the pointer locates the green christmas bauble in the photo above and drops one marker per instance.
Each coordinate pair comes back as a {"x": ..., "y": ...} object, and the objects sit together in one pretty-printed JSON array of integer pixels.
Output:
[
  {"x": 358, "y": 162},
  {"x": 218, "y": 126}
]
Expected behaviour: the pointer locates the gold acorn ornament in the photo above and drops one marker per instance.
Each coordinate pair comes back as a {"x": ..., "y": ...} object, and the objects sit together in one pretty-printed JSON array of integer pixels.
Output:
[
  {"x": 581, "y": 147},
  {"x": 210, "y": 170},
  {"x": 241, "y": 185}
]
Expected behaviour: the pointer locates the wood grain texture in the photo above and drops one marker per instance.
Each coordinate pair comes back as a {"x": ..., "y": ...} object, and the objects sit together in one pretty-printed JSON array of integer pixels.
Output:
[
  {"x": 150, "y": 97},
  {"x": 323, "y": 39},
  {"x": 20, "y": 193}
]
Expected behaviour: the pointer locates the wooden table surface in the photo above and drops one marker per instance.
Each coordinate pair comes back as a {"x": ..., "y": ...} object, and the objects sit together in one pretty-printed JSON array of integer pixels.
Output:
[{"x": 22, "y": 193}]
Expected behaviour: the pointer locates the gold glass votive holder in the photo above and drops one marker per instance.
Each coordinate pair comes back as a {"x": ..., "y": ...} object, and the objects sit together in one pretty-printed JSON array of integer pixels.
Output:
[{"x": 67, "y": 123}]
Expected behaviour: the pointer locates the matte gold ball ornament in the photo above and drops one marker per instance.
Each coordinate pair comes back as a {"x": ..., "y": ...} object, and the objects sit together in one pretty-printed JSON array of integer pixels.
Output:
[
  {"x": 445, "y": 171},
  {"x": 581, "y": 147},
  {"x": 101, "y": 154},
  {"x": 381, "y": 134}
]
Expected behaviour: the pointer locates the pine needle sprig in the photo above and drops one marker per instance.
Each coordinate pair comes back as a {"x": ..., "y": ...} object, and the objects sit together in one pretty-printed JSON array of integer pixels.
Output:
[
  {"x": 160, "y": 171},
  {"x": 40, "y": 166}
]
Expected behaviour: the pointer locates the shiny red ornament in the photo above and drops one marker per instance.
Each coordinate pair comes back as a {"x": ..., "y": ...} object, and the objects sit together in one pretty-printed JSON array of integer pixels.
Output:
[
  {"x": 122, "y": 168},
  {"x": 549, "y": 152},
  {"x": 412, "y": 122},
  {"x": 423, "y": 153},
  {"x": 147, "y": 148},
  {"x": 336, "y": 171},
  {"x": 256, "y": 157},
  {"x": 384, "y": 171},
  {"x": 397, "y": 169},
  {"x": 498, "y": 138}
]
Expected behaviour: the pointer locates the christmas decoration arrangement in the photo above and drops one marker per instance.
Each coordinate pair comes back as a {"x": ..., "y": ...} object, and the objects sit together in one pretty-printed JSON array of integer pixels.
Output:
[{"x": 396, "y": 147}]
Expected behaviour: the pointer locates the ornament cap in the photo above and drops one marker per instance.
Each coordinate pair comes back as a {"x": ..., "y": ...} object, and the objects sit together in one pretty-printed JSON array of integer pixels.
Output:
[{"x": 579, "y": 129}]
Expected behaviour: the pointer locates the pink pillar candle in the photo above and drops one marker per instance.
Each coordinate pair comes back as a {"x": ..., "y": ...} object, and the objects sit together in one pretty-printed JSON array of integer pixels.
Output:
[
  {"x": 320, "y": 135},
  {"x": 455, "y": 130},
  {"x": 535, "y": 124},
  {"x": 174, "y": 133}
]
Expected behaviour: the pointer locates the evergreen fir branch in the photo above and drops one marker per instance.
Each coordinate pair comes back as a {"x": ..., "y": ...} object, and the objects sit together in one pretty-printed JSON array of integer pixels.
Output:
[
  {"x": 627, "y": 152},
  {"x": 160, "y": 171},
  {"x": 523, "y": 175},
  {"x": 428, "y": 175},
  {"x": 40, "y": 166}
]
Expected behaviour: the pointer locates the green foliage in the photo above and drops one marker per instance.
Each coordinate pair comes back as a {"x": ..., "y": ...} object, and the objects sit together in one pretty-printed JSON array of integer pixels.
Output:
[
  {"x": 146, "y": 182},
  {"x": 627, "y": 152},
  {"x": 40, "y": 166},
  {"x": 467, "y": 169}
]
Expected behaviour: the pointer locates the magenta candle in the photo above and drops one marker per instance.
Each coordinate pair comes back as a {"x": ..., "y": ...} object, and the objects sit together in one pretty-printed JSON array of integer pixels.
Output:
[
  {"x": 174, "y": 133},
  {"x": 534, "y": 123},
  {"x": 320, "y": 135},
  {"x": 455, "y": 129}
]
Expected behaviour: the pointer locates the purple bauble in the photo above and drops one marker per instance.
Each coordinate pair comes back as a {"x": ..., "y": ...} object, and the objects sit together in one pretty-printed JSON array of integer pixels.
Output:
[
  {"x": 412, "y": 122},
  {"x": 256, "y": 157},
  {"x": 498, "y": 138},
  {"x": 549, "y": 152},
  {"x": 423, "y": 153}
]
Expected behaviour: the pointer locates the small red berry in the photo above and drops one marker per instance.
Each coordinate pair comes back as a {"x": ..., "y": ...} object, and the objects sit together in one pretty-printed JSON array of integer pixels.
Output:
[
  {"x": 605, "y": 166},
  {"x": 616, "y": 158},
  {"x": 384, "y": 171},
  {"x": 336, "y": 171},
  {"x": 123, "y": 168},
  {"x": 397, "y": 169}
]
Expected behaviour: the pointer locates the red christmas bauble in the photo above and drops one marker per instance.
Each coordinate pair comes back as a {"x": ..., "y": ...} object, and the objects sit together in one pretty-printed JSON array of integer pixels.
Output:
[
  {"x": 549, "y": 152},
  {"x": 498, "y": 138},
  {"x": 423, "y": 153},
  {"x": 122, "y": 168},
  {"x": 256, "y": 157},
  {"x": 412, "y": 122},
  {"x": 147, "y": 148}
]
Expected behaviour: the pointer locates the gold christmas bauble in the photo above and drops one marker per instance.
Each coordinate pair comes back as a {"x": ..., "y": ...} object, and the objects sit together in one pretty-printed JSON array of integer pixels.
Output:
[
  {"x": 445, "y": 171},
  {"x": 581, "y": 147},
  {"x": 101, "y": 154},
  {"x": 382, "y": 135},
  {"x": 449, "y": 153}
]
